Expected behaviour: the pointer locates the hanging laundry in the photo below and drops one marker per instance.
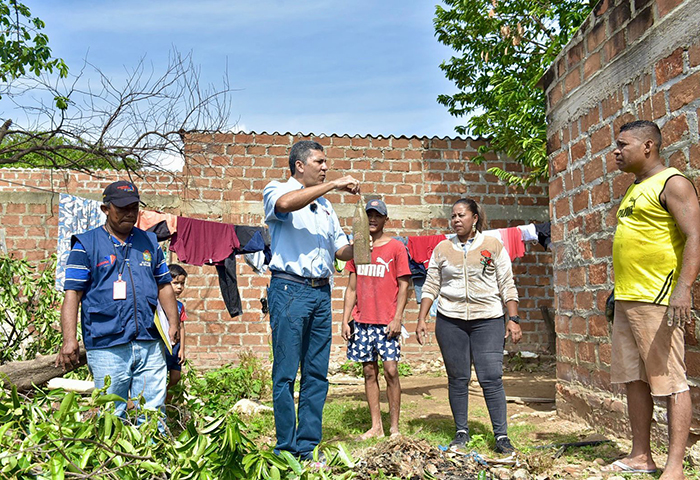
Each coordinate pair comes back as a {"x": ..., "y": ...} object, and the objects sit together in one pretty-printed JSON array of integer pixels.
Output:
[
  {"x": 252, "y": 239},
  {"x": 257, "y": 262},
  {"x": 494, "y": 234},
  {"x": 228, "y": 283},
  {"x": 544, "y": 234},
  {"x": 75, "y": 215},
  {"x": 528, "y": 232},
  {"x": 421, "y": 248},
  {"x": 197, "y": 242},
  {"x": 162, "y": 224},
  {"x": 513, "y": 241}
]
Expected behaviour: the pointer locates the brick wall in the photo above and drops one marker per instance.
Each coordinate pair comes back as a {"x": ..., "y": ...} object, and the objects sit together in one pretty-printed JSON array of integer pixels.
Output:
[
  {"x": 223, "y": 179},
  {"x": 630, "y": 60}
]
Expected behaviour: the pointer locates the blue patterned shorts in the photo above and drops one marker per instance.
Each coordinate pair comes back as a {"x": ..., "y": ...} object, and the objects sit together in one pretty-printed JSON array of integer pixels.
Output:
[{"x": 370, "y": 340}]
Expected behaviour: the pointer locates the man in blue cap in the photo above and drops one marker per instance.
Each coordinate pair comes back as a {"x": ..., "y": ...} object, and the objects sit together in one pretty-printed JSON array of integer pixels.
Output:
[{"x": 117, "y": 273}]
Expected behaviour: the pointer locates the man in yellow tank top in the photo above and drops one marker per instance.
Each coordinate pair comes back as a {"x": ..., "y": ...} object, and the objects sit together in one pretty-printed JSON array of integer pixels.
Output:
[{"x": 656, "y": 258}]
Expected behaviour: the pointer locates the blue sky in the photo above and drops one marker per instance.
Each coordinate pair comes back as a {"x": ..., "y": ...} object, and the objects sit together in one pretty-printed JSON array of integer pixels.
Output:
[{"x": 311, "y": 66}]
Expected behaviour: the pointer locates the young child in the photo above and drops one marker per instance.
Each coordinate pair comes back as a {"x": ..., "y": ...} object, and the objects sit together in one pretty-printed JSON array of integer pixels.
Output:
[
  {"x": 176, "y": 360},
  {"x": 375, "y": 298}
]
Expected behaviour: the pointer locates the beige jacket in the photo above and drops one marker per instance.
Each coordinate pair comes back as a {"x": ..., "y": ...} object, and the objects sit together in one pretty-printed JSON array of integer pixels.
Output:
[{"x": 470, "y": 285}]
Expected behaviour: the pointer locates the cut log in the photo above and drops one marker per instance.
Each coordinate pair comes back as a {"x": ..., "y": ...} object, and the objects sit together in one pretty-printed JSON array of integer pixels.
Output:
[{"x": 25, "y": 374}]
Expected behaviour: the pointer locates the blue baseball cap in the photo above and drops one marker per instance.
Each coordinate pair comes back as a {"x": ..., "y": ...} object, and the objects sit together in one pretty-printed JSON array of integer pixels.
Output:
[
  {"x": 378, "y": 206},
  {"x": 121, "y": 194}
]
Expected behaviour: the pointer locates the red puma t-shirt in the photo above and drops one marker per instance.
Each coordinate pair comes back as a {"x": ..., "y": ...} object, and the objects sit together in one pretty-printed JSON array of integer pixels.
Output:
[{"x": 378, "y": 283}]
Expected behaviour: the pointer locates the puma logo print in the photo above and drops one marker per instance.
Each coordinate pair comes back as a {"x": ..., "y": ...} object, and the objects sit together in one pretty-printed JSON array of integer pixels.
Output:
[
  {"x": 386, "y": 264},
  {"x": 628, "y": 211},
  {"x": 378, "y": 269}
]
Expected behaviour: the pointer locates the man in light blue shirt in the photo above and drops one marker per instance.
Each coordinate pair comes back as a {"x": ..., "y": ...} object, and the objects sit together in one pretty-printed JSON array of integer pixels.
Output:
[{"x": 306, "y": 238}]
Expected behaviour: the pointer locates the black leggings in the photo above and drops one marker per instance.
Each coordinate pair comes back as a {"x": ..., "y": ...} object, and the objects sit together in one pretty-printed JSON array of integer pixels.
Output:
[{"x": 480, "y": 341}]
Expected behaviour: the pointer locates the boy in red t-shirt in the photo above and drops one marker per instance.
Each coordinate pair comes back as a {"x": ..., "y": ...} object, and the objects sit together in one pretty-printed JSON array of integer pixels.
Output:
[{"x": 375, "y": 299}]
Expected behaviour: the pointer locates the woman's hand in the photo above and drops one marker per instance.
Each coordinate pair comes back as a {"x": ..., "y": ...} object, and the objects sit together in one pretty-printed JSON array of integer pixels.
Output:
[
  {"x": 513, "y": 330},
  {"x": 421, "y": 331}
]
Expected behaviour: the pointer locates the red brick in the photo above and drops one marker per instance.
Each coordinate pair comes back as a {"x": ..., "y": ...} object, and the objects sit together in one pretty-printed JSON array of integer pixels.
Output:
[
  {"x": 619, "y": 16},
  {"x": 598, "y": 326},
  {"x": 669, "y": 67},
  {"x": 694, "y": 55},
  {"x": 577, "y": 277},
  {"x": 658, "y": 105},
  {"x": 574, "y": 54},
  {"x": 639, "y": 87},
  {"x": 566, "y": 349},
  {"x": 684, "y": 92},
  {"x": 343, "y": 141},
  {"x": 556, "y": 187},
  {"x": 584, "y": 301},
  {"x": 614, "y": 46},
  {"x": 601, "y": 139},
  {"x": 591, "y": 65},
  {"x": 612, "y": 104},
  {"x": 694, "y": 156},
  {"x": 586, "y": 352},
  {"x": 578, "y": 151},
  {"x": 592, "y": 223},
  {"x": 580, "y": 201},
  {"x": 644, "y": 110},
  {"x": 641, "y": 22},
  {"x": 555, "y": 95},
  {"x": 598, "y": 274},
  {"x": 578, "y": 325},
  {"x": 591, "y": 118},
  {"x": 600, "y": 194},
  {"x": 596, "y": 36},
  {"x": 562, "y": 208},
  {"x": 560, "y": 162},
  {"x": 666, "y": 6},
  {"x": 692, "y": 363},
  {"x": 562, "y": 324},
  {"x": 573, "y": 80},
  {"x": 674, "y": 130}
]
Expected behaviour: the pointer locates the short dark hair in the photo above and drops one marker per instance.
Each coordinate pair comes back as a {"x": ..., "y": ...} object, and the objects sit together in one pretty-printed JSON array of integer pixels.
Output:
[
  {"x": 176, "y": 270},
  {"x": 476, "y": 209},
  {"x": 300, "y": 152},
  {"x": 650, "y": 128}
]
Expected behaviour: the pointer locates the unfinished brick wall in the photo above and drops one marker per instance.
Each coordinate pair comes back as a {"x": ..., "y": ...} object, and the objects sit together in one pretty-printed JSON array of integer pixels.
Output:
[
  {"x": 630, "y": 60},
  {"x": 223, "y": 179}
]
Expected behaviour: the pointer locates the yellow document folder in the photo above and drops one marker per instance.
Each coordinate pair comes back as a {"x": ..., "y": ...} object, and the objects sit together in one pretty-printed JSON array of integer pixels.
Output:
[{"x": 161, "y": 321}]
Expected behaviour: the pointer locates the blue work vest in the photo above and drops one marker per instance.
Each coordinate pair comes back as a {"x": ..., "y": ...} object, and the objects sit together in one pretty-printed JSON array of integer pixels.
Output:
[{"x": 107, "y": 322}]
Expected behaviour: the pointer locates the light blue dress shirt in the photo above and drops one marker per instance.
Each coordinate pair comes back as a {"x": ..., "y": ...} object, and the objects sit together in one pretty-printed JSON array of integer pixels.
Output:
[{"x": 304, "y": 242}]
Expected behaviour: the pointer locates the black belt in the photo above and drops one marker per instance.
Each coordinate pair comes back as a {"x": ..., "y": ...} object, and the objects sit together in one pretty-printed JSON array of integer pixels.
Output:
[{"x": 312, "y": 282}]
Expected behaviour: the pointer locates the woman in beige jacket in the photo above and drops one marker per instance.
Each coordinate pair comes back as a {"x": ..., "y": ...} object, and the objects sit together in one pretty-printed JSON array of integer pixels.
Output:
[{"x": 471, "y": 277}]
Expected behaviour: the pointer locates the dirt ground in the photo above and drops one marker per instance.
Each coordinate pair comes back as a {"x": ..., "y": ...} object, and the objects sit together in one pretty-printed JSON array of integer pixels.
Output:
[{"x": 425, "y": 400}]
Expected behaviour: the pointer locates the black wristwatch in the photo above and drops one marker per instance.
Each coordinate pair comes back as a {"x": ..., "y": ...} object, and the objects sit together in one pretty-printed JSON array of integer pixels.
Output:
[{"x": 515, "y": 319}]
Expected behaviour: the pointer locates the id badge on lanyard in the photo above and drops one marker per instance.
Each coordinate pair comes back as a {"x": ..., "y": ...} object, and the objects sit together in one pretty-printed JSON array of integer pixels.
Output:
[{"x": 119, "y": 289}]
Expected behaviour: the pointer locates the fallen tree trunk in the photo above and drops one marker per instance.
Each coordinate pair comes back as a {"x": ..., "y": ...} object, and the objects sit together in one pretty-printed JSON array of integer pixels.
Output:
[{"x": 25, "y": 374}]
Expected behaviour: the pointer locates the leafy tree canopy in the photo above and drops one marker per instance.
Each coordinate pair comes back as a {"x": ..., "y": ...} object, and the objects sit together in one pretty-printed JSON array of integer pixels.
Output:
[
  {"x": 24, "y": 48},
  {"x": 503, "y": 47}
]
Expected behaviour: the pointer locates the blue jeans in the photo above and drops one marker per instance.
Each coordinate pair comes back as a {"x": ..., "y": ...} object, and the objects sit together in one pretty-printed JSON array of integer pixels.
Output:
[
  {"x": 300, "y": 320},
  {"x": 479, "y": 341},
  {"x": 135, "y": 368}
]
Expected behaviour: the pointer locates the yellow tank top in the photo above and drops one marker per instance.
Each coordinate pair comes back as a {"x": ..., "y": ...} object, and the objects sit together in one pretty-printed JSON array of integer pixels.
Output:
[{"x": 648, "y": 245}]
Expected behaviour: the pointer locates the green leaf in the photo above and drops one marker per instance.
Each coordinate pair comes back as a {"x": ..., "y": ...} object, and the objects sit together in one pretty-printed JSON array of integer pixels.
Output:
[
  {"x": 56, "y": 467},
  {"x": 65, "y": 405},
  {"x": 292, "y": 462},
  {"x": 110, "y": 397}
]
